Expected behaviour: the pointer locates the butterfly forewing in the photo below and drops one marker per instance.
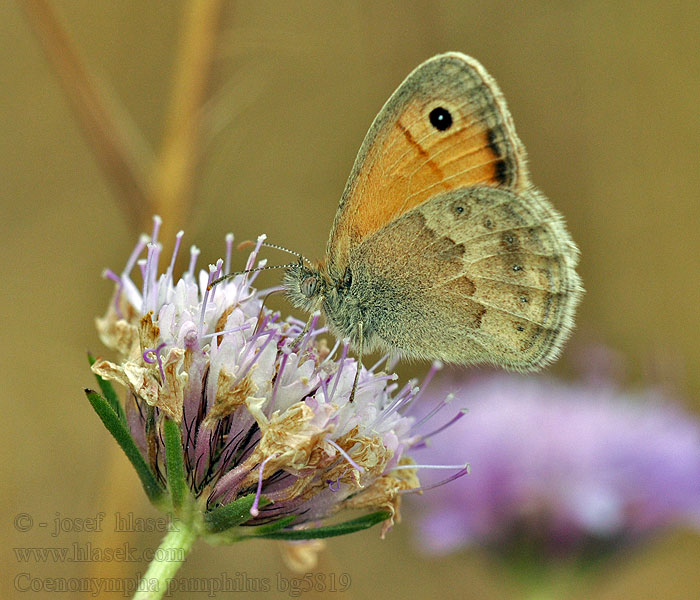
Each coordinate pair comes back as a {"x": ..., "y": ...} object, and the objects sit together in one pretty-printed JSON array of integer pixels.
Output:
[{"x": 446, "y": 127}]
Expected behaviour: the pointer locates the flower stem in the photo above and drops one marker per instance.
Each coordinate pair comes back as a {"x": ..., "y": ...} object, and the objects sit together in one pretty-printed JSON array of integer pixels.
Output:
[{"x": 167, "y": 560}]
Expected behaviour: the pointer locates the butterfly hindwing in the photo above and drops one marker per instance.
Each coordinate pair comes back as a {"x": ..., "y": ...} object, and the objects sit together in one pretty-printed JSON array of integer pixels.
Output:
[{"x": 472, "y": 275}]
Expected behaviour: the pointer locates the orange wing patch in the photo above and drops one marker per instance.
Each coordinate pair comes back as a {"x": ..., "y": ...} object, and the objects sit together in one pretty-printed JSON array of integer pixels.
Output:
[{"x": 407, "y": 158}]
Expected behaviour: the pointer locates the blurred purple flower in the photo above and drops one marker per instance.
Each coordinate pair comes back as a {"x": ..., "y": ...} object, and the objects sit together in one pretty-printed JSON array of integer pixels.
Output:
[{"x": 560, "y": 465}]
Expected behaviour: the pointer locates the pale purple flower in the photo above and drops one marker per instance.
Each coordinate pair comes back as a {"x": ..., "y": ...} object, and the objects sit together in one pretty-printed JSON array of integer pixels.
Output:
[
  {"x": 260, "y": 410},
  {"x": 561, "y": 464}
]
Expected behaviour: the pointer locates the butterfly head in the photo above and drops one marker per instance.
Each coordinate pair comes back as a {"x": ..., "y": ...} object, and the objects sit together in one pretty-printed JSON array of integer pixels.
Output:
[{"x": 306, "y": 286}]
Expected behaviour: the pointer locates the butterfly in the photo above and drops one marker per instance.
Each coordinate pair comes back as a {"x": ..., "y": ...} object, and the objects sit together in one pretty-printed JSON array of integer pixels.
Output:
[{"x": 441, "y": 247}]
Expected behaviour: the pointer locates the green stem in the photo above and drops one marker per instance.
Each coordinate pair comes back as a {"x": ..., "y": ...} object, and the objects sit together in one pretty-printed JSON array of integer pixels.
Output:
[{"x": 167, "y": 560}]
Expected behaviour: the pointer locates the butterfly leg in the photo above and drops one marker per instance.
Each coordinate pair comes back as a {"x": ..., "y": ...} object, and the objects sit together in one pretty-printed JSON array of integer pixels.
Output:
[
  {"x": 297, "y": 340},
  {"x": 360, "y": 344}
]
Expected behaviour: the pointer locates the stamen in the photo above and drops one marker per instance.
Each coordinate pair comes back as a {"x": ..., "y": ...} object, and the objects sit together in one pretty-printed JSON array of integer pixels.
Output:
[
  {"x": 194, "y": 254},
  {"x": 205, "y": 300},
  {"x": 178, "y": 239},
  {"x": 250, "y": 345},
  {"x": 332, "y": 352},
  {"x": 157, "y": 221},
  {"x": 136, "y": 252},
  {"x": 405, "y": 467},
  {"x": 133, "y": 257},
  {"x": 154, "y": 275},
  {"x": 378, "y": 379},
  {"x": 148, "y": 279},
  {"x": 254, "y": 253},
  {"x": 330, "y": 483},
  {"x": 254, "y": 509},
  {"x": 270, "y": 337},
  {"x": 340, "y": 369},
  {"x": 229, "y": 249},
  {"x": 435, "y": 367},
  {"x": 402, "y": 398},
  {"x": 219, "y": 264},
  {"x": 435, "y": 410},
  {"x": 109, "y": 274},
  {"x": 324, "y": 389},
  {"x": 142, "y": 268},
  {"x": 295, "y": 321},
  {"x": 227, "y": 331},
  {"x": 461, "y": 473},
  {"x": 256, "y": 272},
  {"x": 345, "y": 455},
  {"x": 457, "y": 417},
  {"x": 379, "y": 362}
]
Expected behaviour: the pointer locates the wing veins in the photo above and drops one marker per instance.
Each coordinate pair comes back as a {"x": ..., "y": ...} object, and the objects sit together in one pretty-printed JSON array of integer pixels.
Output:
[
  {"x": 449, "y": 162},
  {"x": 497, "y": 231},
  {"x": 423, "y": 190},
  {"x": 527, "y": 287},
  {"x": 507, "y": 253},
  {"x": 505, "y": 311}
]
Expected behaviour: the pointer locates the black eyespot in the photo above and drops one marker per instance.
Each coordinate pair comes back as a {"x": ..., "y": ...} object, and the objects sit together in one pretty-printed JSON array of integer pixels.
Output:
[
  {"x": 520, "y": 328},
  {"x": 440, "y": 118},
  {"x": 524, "y": 299},
  {"x": 517, "y": 268},
  {"x": 459, "y": 209}
]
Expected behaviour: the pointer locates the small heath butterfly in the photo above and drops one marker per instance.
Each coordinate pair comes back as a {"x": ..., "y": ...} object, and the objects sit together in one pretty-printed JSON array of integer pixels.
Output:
[{"x": 441, "y": 247}]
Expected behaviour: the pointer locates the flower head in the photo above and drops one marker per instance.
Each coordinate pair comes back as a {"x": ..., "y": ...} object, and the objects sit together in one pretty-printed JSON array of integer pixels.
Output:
[
  {"x": 564, "y": 466},
  {"x": 267, "y": 435}
]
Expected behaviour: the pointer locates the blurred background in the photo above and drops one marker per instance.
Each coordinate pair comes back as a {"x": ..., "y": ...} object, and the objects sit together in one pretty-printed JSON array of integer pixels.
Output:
[{"x": 246, "y": 117}]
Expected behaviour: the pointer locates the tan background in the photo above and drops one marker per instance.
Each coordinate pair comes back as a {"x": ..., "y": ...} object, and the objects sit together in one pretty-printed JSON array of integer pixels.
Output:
[{"x": 604, "y": 95}]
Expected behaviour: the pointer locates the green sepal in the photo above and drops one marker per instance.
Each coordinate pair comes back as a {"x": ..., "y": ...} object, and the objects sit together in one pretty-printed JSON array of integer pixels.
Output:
[
  {"x": 108, "y": 392},
  {"x": 230, "y": 515},
  {"x": 174, "y": 464},
  {"x": 121, "y": 434},
  {"x": 351, "y": 526}
]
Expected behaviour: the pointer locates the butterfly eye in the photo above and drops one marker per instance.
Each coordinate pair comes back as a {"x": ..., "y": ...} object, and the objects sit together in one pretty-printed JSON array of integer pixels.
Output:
[
  {"x": 308, "y": 286},
  {"x": 440, "y": 118}
]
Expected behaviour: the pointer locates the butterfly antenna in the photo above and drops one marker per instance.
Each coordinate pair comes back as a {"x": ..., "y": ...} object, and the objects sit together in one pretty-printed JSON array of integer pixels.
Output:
[
  {"x": 255, "y": 270},
  {"x": 276, "y": 247}
]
